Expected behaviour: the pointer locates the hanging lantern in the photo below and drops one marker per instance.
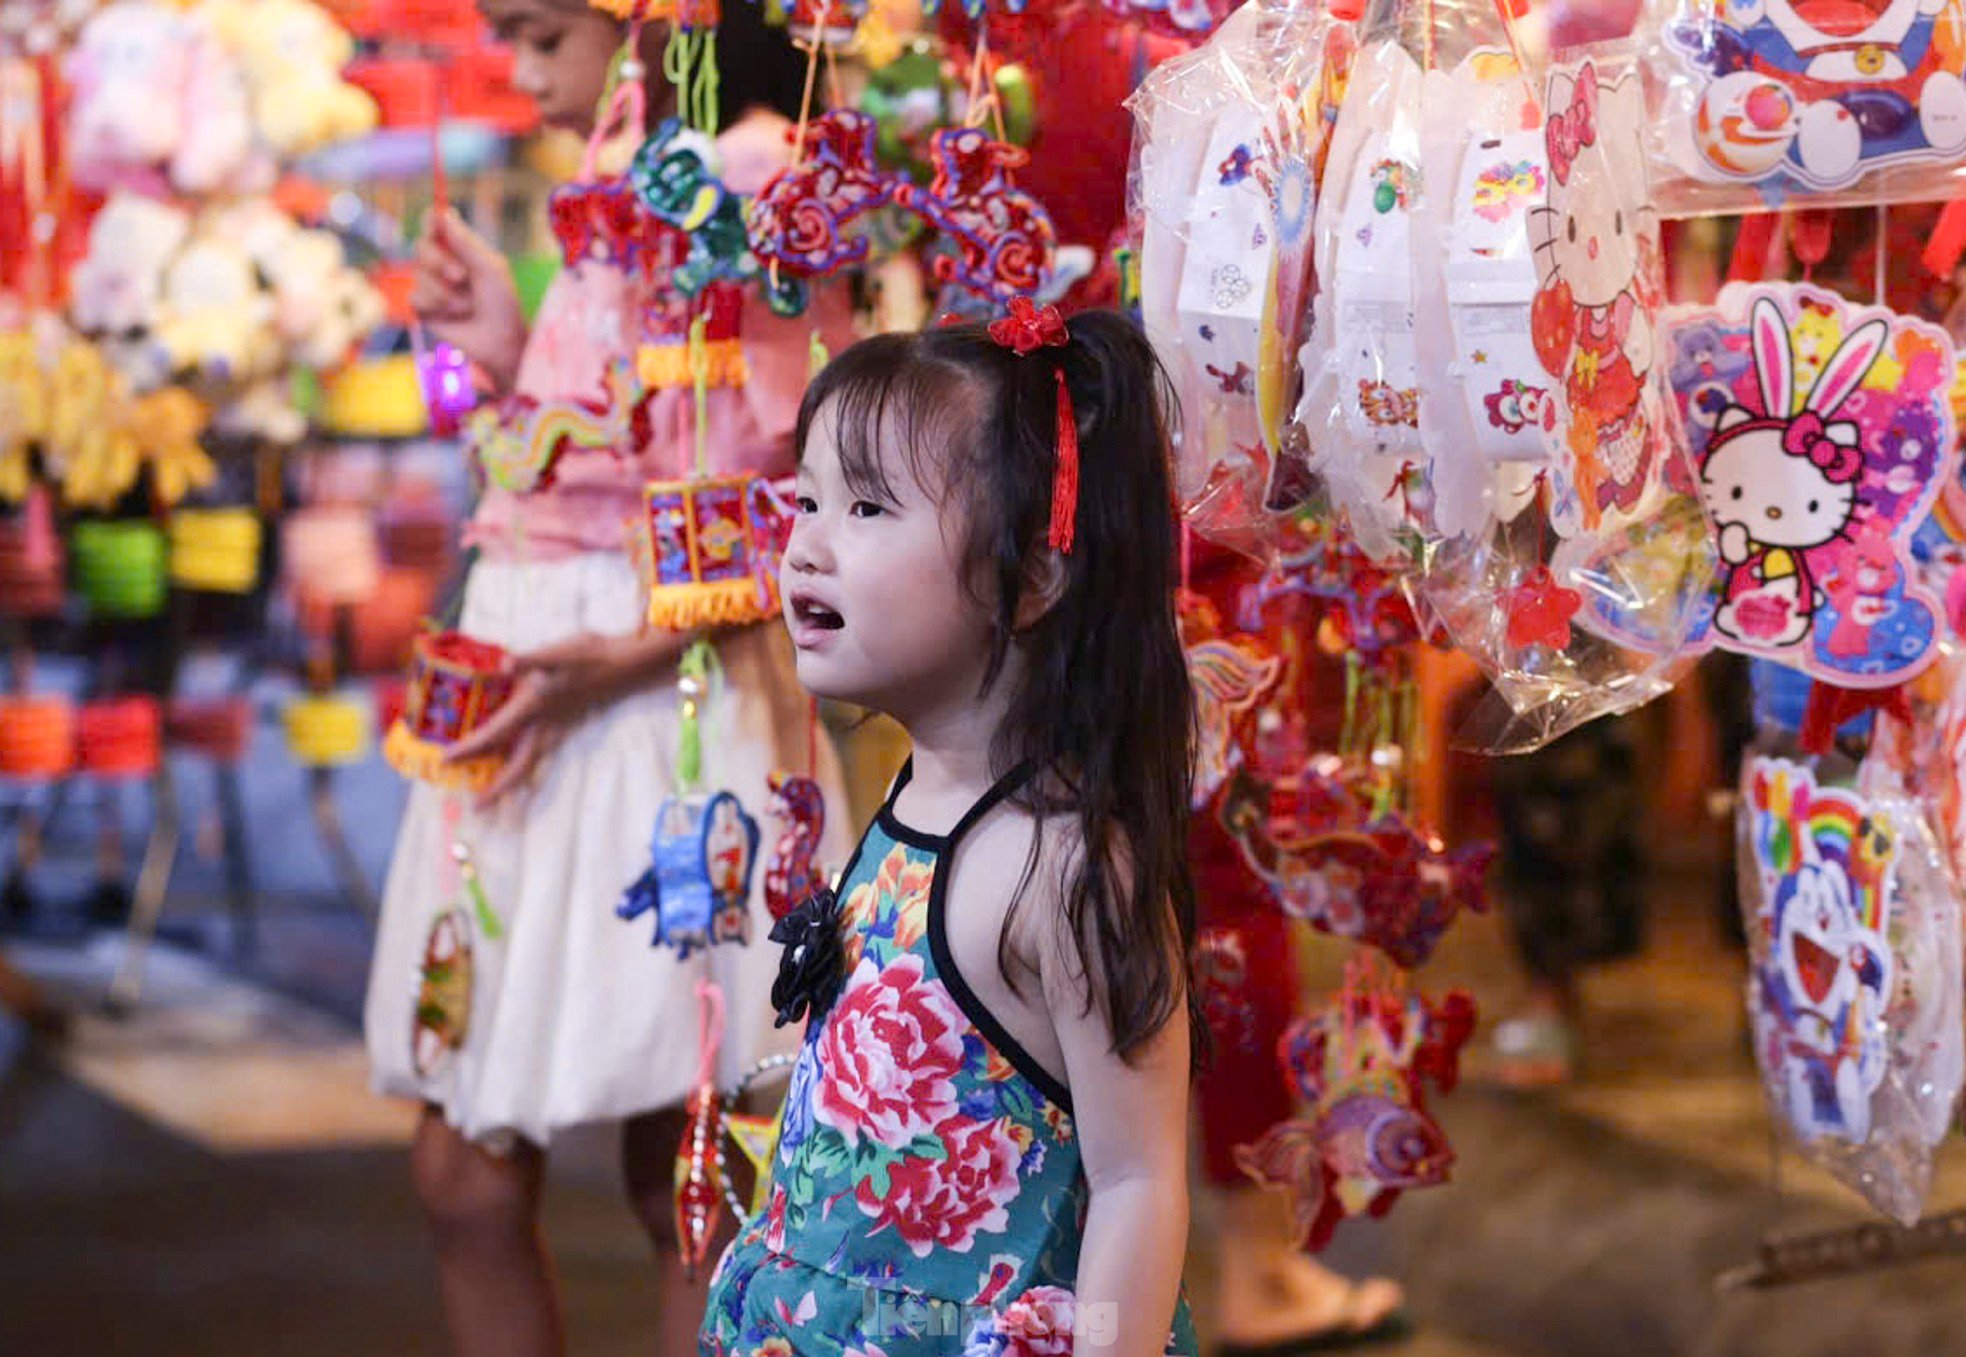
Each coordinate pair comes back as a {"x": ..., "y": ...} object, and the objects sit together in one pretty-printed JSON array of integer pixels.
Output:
[
  {"x": 215, "y": 550},
  {"x": 456, "y": 683},
  {"x": 37, "y": 738}
]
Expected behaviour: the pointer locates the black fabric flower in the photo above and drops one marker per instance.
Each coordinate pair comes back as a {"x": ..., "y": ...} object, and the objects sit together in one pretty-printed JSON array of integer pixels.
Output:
[{"x": 812, "y": 967}]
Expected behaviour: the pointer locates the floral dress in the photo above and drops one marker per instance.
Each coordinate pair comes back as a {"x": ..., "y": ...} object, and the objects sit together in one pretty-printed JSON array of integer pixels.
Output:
[{"x": 928, "y": 1194}]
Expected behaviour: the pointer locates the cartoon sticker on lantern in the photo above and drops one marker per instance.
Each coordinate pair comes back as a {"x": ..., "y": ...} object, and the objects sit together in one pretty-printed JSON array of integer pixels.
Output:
[
  {"x": 1596, "y": 246},
  {"x": 1823, "y": 434},
  {"x": 1822, "y": 965},
  {"x": 1817, "y": 94}
]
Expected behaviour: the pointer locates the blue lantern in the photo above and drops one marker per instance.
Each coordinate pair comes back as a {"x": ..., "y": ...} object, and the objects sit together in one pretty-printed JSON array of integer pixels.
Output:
[{"x": 699, "y": 882}]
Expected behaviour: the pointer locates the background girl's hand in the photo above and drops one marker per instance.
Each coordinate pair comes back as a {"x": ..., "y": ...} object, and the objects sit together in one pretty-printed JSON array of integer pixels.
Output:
[
  {"x": 557, "y": 688},
  {"x": 465, "y": 296}
]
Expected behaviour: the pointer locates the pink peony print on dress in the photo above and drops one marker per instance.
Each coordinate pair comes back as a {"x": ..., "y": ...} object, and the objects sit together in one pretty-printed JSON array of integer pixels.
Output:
[
  {"x": 891, "y": 1050},
  {"x": 946, "y": 1203}
]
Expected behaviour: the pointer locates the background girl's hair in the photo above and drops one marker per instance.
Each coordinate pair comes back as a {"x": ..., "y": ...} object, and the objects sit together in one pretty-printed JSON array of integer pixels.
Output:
[
  {"x": 1103, "y": 706},
  {"x": 757, "y": 66}
]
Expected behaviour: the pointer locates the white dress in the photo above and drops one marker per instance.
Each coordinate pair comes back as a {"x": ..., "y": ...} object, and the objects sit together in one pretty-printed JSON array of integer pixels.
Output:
[{"x": 574, "y": 1017}]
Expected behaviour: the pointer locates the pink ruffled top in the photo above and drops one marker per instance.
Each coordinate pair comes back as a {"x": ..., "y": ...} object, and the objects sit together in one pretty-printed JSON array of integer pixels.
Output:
[{"x": 586, "y": 324}]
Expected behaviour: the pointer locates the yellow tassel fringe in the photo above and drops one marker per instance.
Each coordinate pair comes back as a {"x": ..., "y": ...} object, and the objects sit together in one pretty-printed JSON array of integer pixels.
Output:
[
  {"x": 664, "y": 367},
  {"x": 423, "y": 761},
  {"x": 685, "y": 607}
]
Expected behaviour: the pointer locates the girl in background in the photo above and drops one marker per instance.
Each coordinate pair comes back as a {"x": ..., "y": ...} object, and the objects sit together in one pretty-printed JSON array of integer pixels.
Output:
[{"x": 574, "y": 1018}]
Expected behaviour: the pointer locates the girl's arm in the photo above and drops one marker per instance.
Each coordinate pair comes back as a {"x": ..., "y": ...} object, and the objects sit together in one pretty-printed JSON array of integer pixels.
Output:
[
  {"x": 464, "y": 293},
  {"x": 1132, "y": 1123}
]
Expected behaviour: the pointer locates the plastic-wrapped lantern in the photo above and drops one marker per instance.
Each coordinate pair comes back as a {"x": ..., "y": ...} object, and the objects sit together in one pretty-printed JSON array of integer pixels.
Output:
[
  {"x": 119, "y": 737},
  {"x": 455, "y": 685},
  {"x": 326, "y": 731},
  {"x": 699, "y": 883},
  {"x": 215, "y": 550},
  {"x": 710, "y": 550},
  {"x": 119, "y": 567},
  {"x": 331, "y": 554},
  {"x": 37, "y": 738}
]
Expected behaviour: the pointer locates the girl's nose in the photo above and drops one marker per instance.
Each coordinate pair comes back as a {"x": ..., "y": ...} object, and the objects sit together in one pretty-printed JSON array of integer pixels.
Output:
[{"x": 807, "y": 551}]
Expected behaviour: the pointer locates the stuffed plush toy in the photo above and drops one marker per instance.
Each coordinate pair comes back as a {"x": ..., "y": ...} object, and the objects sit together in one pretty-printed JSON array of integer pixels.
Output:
[
  {"x": 116, "y": 288},
  {"x": 159, "y": 104},
  {"x": 322, "y": 308},
  {"x": 217, "y": 321},
  {"x": 292, "y": 53}
]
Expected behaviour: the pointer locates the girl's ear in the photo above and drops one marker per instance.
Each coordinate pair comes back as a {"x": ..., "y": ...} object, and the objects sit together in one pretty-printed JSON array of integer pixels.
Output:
[{"x": 1045, "y": 575}]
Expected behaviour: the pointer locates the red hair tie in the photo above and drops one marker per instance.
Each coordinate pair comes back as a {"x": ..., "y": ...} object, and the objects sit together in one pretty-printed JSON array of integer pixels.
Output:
[{"x": 1025, "y": 330}]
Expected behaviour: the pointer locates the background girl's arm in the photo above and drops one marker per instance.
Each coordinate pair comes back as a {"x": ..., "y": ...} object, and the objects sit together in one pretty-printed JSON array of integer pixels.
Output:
[
  {"x": 558, "y": 687},
  {"x": 464, "y": 294},
  {"x": 1132, "y": 1123}
]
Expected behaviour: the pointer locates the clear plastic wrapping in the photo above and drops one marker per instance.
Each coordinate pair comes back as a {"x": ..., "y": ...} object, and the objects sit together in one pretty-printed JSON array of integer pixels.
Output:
[
  {"x": 1760, "y": 102},
  {"x": 1854, "y": 987},
  {"x": 1566, "y": 552},
  {"x": 1225, "y": 162},
  {"x": 1824, "y": 434}
]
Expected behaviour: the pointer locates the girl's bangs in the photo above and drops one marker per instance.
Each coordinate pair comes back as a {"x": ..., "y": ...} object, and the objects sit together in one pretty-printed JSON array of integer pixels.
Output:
[{"x": 884, "y": 394}]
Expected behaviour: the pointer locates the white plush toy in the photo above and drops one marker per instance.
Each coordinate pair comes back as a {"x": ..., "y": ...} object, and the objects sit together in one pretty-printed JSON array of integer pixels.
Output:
[
  {"x": 217, "y": 319},
  {"x": 159, "y": 104},
  {"x": 116, "y": 288}
]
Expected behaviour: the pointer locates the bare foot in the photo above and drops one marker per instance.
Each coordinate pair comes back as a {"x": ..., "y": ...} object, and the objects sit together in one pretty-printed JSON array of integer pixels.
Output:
[{"x": 1272, "y": 1294}]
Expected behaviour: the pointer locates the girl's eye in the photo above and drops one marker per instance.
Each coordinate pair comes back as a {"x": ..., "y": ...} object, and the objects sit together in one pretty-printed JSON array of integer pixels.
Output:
[
  {"x": 546, "y": 44},
  {"x": 865, "y": 508},
  {"x": 807, "y": 504}
]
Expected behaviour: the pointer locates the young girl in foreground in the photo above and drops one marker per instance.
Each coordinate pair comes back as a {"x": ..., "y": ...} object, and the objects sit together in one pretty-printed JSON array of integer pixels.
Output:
[{"x": 985, "y": 1139}]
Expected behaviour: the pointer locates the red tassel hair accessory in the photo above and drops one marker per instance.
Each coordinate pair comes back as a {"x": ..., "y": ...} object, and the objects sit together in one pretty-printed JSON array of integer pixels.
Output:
[{"x": 1025, "y": 330}]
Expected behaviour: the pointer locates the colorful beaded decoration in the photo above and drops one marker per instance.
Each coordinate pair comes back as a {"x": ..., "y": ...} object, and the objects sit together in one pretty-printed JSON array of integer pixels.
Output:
[{"x": 1003, "y": 239}]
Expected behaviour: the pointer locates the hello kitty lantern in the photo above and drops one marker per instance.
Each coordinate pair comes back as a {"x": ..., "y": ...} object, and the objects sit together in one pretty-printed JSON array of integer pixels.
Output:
[
  {"x": 1824, "y": 434},
  {"x": 1763, "y": 100}
]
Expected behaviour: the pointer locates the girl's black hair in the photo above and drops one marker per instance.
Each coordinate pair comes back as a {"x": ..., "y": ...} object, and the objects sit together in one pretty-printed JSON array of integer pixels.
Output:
[
  {"x": 757, "y": 66},
  {"x": 1103, "y": 708},
  {"x": 756, "y": 63}
]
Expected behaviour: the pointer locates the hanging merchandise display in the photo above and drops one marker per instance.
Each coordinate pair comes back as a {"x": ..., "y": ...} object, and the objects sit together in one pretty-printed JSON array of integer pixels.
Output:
[
  {"x": 704, "y": 848},
  {"x": 1609, "y": 523},
  {"x": 1362, "y": 1066},
  {"x": 1232, "y": 675},
  {"x": 327, "y": 730},
  {"x": 37, "y": 738},
  {"x": 1766, "y": 101},
  {"x": 1824, "y": 433},
  {"x": 1228, "y": 145},
  {"x": 1854, "y": 992},
  {"x": 700, "y": 1186},
  {"x": 710, "y": 548},
  {"x": 184, "y": 114},
  {"x": 805, "y": 219},
  {"x": 1334, "y": 839}
]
